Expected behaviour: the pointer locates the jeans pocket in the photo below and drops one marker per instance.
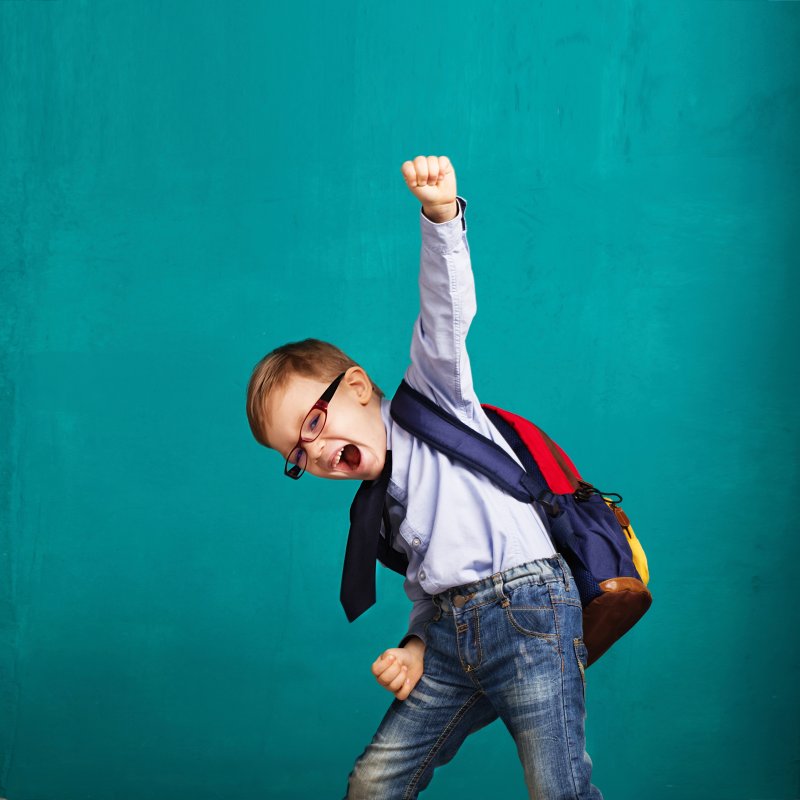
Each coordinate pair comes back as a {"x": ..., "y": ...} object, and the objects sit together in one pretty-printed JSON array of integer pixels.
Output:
[{"x": 530, "y": 610}]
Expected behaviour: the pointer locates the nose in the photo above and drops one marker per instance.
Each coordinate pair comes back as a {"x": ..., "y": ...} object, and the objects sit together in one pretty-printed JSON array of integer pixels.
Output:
[{"x": 317, "y": 448}]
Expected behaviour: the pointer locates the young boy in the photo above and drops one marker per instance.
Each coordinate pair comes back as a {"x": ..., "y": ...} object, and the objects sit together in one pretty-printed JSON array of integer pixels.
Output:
[{"x": 496, "y": 624}]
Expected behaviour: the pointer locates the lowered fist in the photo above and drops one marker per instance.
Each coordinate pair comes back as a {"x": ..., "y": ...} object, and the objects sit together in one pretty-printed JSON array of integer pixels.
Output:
[
  {"x": 432, "y": 180},
  {"x": 398, "y": 669}
]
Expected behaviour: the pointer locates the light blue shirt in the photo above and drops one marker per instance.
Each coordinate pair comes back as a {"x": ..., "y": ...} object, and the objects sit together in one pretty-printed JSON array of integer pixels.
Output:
[{"x": 455, "y": 526}]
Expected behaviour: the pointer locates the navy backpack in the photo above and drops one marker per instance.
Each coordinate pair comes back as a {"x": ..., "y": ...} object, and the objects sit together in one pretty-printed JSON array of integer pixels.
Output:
[{"x": 587, "y": 526}]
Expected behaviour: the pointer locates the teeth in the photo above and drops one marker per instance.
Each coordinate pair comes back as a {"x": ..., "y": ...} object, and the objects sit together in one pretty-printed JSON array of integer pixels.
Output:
[{"x": 338, "y": 458}]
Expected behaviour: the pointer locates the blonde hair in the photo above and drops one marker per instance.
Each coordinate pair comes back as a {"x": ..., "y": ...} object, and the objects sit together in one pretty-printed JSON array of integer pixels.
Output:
[{"x": 310, "y": 358}]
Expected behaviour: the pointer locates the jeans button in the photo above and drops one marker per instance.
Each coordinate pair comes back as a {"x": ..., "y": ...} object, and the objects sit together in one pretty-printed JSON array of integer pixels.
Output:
[
  {"x": 416, "y": 541},
  {"x": 460, "y": 600},
  {"x": 422, "y": 574}
]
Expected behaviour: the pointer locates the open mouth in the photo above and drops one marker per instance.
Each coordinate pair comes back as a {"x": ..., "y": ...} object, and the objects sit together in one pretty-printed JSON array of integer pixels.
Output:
[{"x": 347, "y": 459}]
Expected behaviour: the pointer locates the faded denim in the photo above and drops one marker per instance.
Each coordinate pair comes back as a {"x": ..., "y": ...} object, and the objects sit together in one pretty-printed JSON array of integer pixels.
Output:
[{"x": 509, "y": 645}]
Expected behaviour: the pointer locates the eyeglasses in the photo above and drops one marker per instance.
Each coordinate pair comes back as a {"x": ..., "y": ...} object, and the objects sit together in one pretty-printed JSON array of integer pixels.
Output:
[{"x": 311, "y": 428}]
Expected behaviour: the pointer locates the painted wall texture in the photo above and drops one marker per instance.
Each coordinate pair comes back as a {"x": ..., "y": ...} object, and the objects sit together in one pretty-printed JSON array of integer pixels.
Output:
[{"x": 184, "y": 186}]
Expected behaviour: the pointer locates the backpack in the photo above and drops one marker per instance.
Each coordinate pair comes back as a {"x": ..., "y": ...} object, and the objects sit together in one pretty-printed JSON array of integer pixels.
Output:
[{"x": 588, "y": 527}]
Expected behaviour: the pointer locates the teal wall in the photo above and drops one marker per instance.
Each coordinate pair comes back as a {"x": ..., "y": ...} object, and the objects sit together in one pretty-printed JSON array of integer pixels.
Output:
[{"x": 186, "y": 185}]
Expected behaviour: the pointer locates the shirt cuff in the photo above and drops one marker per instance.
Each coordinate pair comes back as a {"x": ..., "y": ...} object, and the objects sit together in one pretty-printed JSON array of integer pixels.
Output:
[
  {"x": 442, "y": 237},
  {"x": 420, "y": 632},
  {"x": 417, "y": 628}
]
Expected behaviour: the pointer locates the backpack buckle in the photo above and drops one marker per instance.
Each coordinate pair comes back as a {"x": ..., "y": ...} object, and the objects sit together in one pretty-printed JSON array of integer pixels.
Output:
[{"x": 548, "y": 501}]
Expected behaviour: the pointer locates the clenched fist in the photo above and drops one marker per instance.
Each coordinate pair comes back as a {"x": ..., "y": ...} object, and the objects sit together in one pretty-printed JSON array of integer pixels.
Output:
[
  {"x": 398, "y": 669},
  {"x": 432, "y": 180}
]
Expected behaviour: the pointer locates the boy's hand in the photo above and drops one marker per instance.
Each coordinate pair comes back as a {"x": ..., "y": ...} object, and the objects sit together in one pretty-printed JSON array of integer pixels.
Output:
[
  {"x": 398, "y": 669},
  {"x": 432, "y": 180}
]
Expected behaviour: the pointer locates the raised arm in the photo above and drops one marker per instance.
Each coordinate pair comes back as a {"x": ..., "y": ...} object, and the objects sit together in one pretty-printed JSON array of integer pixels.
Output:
[{"x": 440, "y": 365}]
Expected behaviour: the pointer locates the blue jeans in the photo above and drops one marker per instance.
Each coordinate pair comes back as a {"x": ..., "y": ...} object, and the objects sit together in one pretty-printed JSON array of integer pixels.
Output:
[{"x": 510, "y": 645}]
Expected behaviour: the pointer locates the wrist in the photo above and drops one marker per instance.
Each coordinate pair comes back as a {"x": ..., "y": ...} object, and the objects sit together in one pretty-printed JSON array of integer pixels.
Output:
[
  {"x": 439, "y": 213},
  {"x": 414, "y": 642}
]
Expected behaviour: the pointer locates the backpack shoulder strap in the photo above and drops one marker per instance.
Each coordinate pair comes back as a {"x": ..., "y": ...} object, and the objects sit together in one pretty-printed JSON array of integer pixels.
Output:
[{"x": 429, "y": 422}]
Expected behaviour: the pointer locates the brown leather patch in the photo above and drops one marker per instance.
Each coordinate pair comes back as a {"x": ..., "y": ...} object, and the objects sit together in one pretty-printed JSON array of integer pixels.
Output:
[
  {"x": 622, "y": 517},
  {"x": 613, "y": 613},
  {"x": 623, "y": 585}
]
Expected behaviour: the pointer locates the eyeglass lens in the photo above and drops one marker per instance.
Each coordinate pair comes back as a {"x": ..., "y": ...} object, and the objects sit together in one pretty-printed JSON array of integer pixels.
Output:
[{"x": 312, "y": 426}]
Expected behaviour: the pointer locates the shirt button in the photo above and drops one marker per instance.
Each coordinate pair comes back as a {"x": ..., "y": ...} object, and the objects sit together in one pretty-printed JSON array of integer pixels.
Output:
[
  {"x": 416, "y": 541},
  {"x": 422, "y": 574}
]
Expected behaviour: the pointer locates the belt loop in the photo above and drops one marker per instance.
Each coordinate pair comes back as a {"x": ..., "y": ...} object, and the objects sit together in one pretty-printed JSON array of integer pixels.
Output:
[
  {"x": 497, "y": 578},
  {"x": 564, "y": 570}
]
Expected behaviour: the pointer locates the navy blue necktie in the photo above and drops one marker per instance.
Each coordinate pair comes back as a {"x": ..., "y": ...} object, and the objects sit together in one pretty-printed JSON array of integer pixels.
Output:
[{"x": 364, "y": 544}]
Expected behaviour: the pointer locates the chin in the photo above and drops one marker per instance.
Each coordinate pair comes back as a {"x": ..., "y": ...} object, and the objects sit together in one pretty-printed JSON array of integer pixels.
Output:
[{"x": 378, "y": 469}]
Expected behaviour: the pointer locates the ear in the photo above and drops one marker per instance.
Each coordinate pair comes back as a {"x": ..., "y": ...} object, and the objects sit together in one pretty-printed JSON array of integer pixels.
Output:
[{"x": 359, "y": 383}]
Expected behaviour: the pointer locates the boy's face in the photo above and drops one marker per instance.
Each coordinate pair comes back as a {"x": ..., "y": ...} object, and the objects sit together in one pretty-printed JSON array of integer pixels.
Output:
[{"x": 354, "y": 432}]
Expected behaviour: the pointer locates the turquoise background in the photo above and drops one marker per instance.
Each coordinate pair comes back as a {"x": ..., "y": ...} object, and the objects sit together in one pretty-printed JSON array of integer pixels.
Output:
[{"x": 184, "y": 186}]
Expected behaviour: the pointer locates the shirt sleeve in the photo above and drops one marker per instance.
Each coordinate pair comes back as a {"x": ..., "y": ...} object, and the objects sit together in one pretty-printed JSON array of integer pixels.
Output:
[
  {"x": 422, "y": 612},
  {"x": 440, "y": 366}
]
